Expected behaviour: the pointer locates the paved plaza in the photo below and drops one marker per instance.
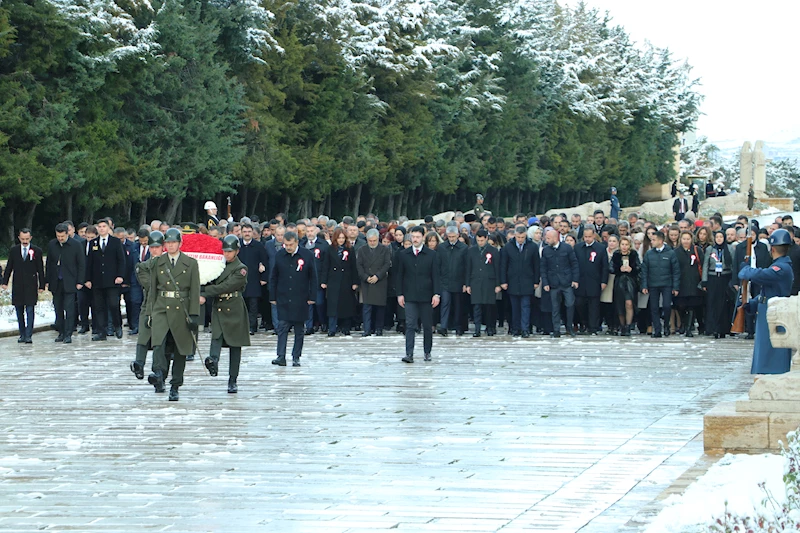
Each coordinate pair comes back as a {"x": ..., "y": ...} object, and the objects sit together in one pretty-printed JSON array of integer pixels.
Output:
[{"x": 496, "y": 434}]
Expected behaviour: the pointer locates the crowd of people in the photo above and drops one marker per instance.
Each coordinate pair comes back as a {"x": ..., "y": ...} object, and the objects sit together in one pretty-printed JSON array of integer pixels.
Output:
[{"x": 522, "y": 276}]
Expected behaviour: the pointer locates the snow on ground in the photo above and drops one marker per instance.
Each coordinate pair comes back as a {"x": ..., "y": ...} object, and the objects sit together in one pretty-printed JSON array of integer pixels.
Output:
[
  {"x": 44, "y": 315},
  {"x": 734, "y": 480}
]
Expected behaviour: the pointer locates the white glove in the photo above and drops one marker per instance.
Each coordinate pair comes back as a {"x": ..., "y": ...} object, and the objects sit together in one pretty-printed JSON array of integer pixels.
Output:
[{"x": 230, "y": 219}]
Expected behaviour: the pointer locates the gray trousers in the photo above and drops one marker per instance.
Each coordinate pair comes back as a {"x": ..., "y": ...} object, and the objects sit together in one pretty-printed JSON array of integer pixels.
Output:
[{"x": 419, "y": 311}]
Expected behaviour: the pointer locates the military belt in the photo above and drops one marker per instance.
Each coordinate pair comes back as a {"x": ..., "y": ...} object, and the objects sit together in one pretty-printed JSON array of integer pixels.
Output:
[
  {"x": 229, "y": 295},
  {"x": 174, "y": 294}
]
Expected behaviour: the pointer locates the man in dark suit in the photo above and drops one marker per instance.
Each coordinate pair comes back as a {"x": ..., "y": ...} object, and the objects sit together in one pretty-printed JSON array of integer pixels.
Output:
[
  {"x": 105, "y": 274},
  {"x": 140, "y": 252},
  {"x": 65, "y": 275},
  {"x": 25, "y": 262},
  {"x": 519, "y": 275},
  {"x": 680, "y": 207},
  {"x": 452, "y": 256},
  {"x": 593, "y": 278},
  {"x": 320, "y": 249},
  {"x": 273, "y": 246},
  {"x": 125, "y": 291},
  {"x": 254, "y": 256},
  {"x": 559, "y": 279},
  {"x": 418, "y": 290},
  {"x": 85, "y": 294},
  {"x": 292, "y": 287}
]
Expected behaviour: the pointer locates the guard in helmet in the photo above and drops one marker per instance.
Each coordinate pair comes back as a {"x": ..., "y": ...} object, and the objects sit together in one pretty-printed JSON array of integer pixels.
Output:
[
  {"x": 775, "y": 280},
  {"x": 155, "y": 247},
  {"x": 174, "y": 310},
  {"x": 229, "y": 324},
  {"x": 212, "y": 219}
]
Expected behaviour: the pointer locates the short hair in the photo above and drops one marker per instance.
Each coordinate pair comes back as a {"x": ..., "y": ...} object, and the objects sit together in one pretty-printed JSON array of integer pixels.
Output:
[
  {"x": 290, "y": 236},
  {"x": 69, "y": 223},
  {"x": 482, "y": 233},
  {"x": 373, "y": 233},
  {"x": 520, "y": 229},
  {"x": 428, "y": 219},
  {"x": 146, "y": 233},
  {"x": 660, "y": 235},
  {"x": 130, "y": 231},
  {"x": 91, "y": 229},
  {"x": 119, "y": 230},
  {"x": 106, "y": 221},
  {"x": 25, "y": 230},
  {"x": 62, "y": 228},
  {"x": 717, "y": 219},
  {"x": 787, "y": 217},
  {"x": 491, "y": 220},
  {"x": 741, "y": 231},
  {"x": 417, "y": 229},
  {"x": 588, "y": 228},
  {"x": 599, "y": 212},
  {"x": 83, "y": 225},
  {"x": 360, "y": 224},
  {"x": 247, "y": 225},
  {"x": 451, "y": 230},
  {"x": 348, "y": 220}
]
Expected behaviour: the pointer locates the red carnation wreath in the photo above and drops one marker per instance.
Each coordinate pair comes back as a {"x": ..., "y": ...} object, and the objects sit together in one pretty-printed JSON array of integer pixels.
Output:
[{"x": 208, "y": 252}]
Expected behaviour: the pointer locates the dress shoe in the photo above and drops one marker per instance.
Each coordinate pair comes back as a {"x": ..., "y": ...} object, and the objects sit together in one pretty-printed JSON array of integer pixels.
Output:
[
  {"x": 295, "y": 361},
  {"x": 98, "y": 337},
  {"x": 252, "y": 333},
  {"x": 21, "y": 340},
  {"x": 137, "y": 369},
  {"x": 346, "y": 333},
  {"x": 134, "y": 331},
  {"x": 525, "y": 334},
  {"x": 212, "y": 366},
  {"x": 749, "y": 337},
  {"x": 365, "y": 334},
  {"x": 490, "y": 333},
  {"x": 571, "y": 332},
  {"x": 157, "y": 381},
  {"x": 84, "y": 330},
  {"x": 555, "y": 335},
  {"x": 331, "y": 334},
  {"x": 657, "y": 335},
  {"x": 60, "y": 338},
  {"x": 427, "y": 357},
  {"x": 477, "y": 334},
  {"x": 379, "y": 333},
  {"x": 28, "y": 341},
  {"x": 232, "y": 387},
  {"x": 459, "y": 333},
  {"x": 190, "y": 357},
  {"x": 309, "y": 332},
  {"x": 689, "y": 333},
  {"x": 173, "y": 394},
  {"x": 323, "y": 328},
  {"x": 408, "y": 359},
  {"x": 68, "y": 340},
  {"x": 280, "y": 361},
  {"x": 442, "y": 332}
]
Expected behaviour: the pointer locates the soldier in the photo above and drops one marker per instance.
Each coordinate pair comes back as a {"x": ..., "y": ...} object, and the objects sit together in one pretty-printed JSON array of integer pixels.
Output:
[
  {"x": 212, "y": 220},
  {"x": 155, "y": 247},
  {"x": 174, "y": 311},
  {"x": 478, "y": 209},
  {"x": 292, "y": 287},
  {"x": 776, "y": 280},
  {"x": 229, "y": 313}
]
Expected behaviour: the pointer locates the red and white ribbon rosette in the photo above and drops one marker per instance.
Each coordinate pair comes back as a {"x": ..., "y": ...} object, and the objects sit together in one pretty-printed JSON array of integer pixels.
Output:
[
  {"x": 30, "y": 253},
  {"x": 592, "y": 256},
  {"x": 344, "y": 255},
  {"x": 300, "y": 264},
  {"x": 316, "y": 253},
  {"x": 488, "y": 259},
  {"x": 694, "y": 258}
]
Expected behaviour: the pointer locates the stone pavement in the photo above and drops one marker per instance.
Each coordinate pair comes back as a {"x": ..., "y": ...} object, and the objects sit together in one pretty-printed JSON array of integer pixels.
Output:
[{"x": 494, "y": 435}]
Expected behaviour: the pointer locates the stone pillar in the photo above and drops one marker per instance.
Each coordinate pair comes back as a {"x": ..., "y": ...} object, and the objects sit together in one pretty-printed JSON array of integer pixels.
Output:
[
  {"x": 745, "y": 166},
  {"x": 759, "y": 170}
]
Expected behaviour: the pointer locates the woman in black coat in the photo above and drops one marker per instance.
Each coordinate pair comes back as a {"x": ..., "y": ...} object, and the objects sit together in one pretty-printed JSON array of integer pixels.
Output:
[
  {"x": 339, "y": 278},
  {"x": 627, "y": 268},
  {"x": 717, "y": 270},
  {"x": 483, "y": 282},
  {"x": 690, "y": 294}
]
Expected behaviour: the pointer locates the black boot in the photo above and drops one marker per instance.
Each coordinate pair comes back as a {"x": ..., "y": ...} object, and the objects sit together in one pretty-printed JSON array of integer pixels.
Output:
[
  {"x": 232, "y": 387},
  {"x": 156, "y": 380},
  {"x": 295, "y": 361},
  {"x": 212, "y": 366},
  {"x": 137, "y": 369},
  {"x": 280, "y": 360},
  {"x": 690, "y": 324},
  {"x": 173, "y": 393}
]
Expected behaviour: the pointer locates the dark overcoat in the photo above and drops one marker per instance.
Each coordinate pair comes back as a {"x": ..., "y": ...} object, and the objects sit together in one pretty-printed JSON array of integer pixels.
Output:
[
  {"x": 451, "y": 264},
  {"x": 691, "y": 267},
  {"x": 229, "y": 315},
  {"x": 28, "y": 275},
  {"x": 340, "y": 276},
  {"x": 71, "y": 259},
  {"x": 483, "y": 274},
  {"x": 293, "y": 284},
  {"x": 252, "y": 255},
  {"x": 418, "y": 277},
  {"x": 374, "y": 261},
  {"x": 144, "y": 277},
  {"x": 520, "y": 270},
  {"x": 592, "y": 269},
  {"x": 104, "y": 266}
]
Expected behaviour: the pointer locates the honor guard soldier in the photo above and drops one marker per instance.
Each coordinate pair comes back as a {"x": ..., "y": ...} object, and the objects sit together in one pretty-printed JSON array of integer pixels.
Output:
[
  {"x": 155, "y": 247},
  {"x": 211, "y": 219},
  {"x": 174, "y": 311},
  {"x": 775, "y": 280},
  {"x": 229, "y": 313},
  {"x": 478, "y": 209}
]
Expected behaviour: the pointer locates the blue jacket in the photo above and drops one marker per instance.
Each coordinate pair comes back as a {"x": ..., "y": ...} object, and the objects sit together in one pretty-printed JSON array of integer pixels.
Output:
[
  {"x": 614, "y": 207},
  {"x": 559, "y": 266},
  {"x": 775, "y": 280}
]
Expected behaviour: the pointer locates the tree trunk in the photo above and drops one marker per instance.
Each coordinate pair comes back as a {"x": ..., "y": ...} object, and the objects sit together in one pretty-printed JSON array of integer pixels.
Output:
[
  {"x": 328, "y": 208},
  {"x": 357, "y": 200},
  {"x": 179, "y": 214},
  {"x": 172, "y": 210},
  {"x": 256, "y": 198},
  {"x": 390, "y": 207},
  {"x": 371, "y": 204},
  {"x": 10, "y": 225},
  {"x": 287, "y": 203},
  {"x": 127, "y": 207},
  {"x": 244, "y": 197},
  {"x": 29, "y": 216},
  {"x": 68, "y": 206},
  {"x": 418, "y": 203},
  {"x": 143, "y": 213}
]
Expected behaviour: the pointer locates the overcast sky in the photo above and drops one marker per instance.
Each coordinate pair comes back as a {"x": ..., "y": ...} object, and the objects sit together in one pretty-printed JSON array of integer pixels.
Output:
[{"x": 746, "y": 54}]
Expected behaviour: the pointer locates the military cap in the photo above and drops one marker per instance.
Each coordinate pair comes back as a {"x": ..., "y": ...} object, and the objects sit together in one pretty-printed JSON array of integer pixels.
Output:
[
  {"x": 156, "y": 238},
  {"x": 173, "y": 235},
  {"x": 230, "y": 243}
]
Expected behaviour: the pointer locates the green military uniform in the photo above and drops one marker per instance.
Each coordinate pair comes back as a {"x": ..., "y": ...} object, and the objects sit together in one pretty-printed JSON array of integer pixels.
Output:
[
  {"x": 143, "y": 339},
  {"x": 478, "y": 209},
  {"x": 229, "y": 322},
  {"x": 173, "y": 298}
]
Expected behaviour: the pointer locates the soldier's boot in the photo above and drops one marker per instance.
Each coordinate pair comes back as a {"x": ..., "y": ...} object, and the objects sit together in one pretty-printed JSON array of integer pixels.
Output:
[
  {"x": 138, "y": 369},
  {"x": 295, "y": 361},
  {"x": 156, "y": 379},
  {"x": 173, "y": 393},
  {"x": 212, "y": 365},
  {"x": 280, "y": 360},
  {"x": 232, "y": 387}
]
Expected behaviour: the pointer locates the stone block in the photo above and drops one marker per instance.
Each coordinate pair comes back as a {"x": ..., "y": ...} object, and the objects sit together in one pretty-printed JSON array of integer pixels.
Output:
[
  {"x": 768, "y": 406},
  {"x": 779, "y": 425},
  {"x": 725, "y": 429},
  {"x": 777, "y": 387}
]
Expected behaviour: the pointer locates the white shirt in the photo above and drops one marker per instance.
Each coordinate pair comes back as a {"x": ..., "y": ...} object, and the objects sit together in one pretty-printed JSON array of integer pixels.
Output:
[{"x": 417, "y": 250}]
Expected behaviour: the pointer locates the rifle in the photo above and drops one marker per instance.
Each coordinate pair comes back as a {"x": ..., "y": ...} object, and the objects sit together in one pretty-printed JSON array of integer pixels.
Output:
[
  {"x": 229, "y": 207},
  {"x": 738, "y": 325}
]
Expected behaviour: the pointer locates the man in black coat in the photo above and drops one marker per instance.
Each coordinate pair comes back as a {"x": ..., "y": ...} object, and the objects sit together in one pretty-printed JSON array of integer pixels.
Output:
[
  {"x": 292, "y": 287},
  {"x": 273, "y": 246},
  {"x": 680, "y": 207},
  {"x": 65, "y": 275},
  {"x": 85, "y": 294},
  {"x": 559, "y": 279},
  {"x": 452, "y": 256},
  {"x": 25, "y": 262},
  {"x": 140, "y": 252},
  {"x": 592, "y": 280},
  {"x": 418, "y": 290},
  {"x": 105, "y": 274},
  {"x": 254, "y": 256},
  {"x": 320, "y": 248},
  {"x": 519, "y": 275}
]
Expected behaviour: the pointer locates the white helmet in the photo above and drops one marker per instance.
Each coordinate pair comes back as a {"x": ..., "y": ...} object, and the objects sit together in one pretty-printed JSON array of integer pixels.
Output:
[{"x": 210, "y": 205}]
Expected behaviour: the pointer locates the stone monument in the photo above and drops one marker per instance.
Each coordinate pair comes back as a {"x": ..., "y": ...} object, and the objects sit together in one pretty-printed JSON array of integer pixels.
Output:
[
  {"x": 759, "y": 170},
  {"x": 772, "y": 409},
  {"x": 745, "y": 166}
]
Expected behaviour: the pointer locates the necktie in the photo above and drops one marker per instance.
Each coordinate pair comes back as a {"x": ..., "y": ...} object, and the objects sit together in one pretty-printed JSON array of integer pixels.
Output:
[
  {"x": 103, "y": 245},
  {"x": 144, "y": 252},
  {"x": 520, "y": 247},
  {"x": 416, "y": 252},
  {"x": 24, "y": 253},
  {"x": 173, "y": 261}
]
